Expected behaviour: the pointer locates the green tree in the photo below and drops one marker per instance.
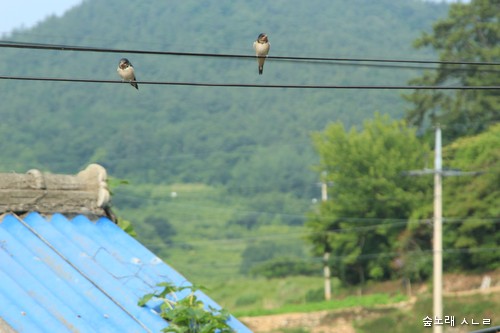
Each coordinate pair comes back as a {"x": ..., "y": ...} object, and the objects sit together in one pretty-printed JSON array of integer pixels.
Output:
[
  {"x": 472, "y": 204},
  {"x": 471, "y": 229},
  {"x": 470, "y": 33},
  {"x": 370, "y": 199}
]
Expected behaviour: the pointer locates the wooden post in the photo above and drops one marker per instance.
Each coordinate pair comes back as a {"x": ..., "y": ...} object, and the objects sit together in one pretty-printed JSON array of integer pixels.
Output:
[
  {"x": 327, "y": 274},
  {"x": 326, "y": 255}
]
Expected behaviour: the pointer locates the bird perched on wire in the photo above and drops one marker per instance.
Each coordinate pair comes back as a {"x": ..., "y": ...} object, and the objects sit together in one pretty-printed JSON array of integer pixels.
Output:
[
  {"x": 126, "y": 72},
  {"x": 261, "y": 47}
]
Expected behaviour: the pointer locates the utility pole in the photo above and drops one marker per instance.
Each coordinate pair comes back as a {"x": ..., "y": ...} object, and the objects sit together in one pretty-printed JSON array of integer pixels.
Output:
[
  {"x": 437, "y": 290},
  {"x": 326, "y": 255},
  {"x": 437, "y": 244}
]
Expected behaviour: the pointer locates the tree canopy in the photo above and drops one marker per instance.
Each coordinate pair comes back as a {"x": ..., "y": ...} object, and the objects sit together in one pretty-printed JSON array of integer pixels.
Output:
[
  {"x": 370, "y": 199},
  {"x": 471, "y": 203},
  {"x": 470, "y": 33}
]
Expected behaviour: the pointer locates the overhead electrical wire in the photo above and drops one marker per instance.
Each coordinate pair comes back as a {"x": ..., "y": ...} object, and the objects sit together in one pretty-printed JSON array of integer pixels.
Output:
[
  {"x": 379, "y": 63},
  {"x": 387, "y": 221},
  {"x": 254, "y": 85},
  {"x": 337, "y": 60},
  {"x": 415, "y": 253},
  {"x": 293, "y": 235},
  {"x": 41, "y": 46}
]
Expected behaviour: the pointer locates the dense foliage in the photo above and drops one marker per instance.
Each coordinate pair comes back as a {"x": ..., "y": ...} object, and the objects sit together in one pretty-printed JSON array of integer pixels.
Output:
[
  {"x": 470, "y": 205},
  {"x": 473, "y": 202},
  {"x": 470, "y": 33},
  {"x": 370, "y": 198}
]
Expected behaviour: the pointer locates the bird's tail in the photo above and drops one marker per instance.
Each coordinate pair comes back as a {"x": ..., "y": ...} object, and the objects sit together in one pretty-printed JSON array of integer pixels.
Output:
[
  {"x": 261, "y": 61},
  {"x": 134, "y": 84}
]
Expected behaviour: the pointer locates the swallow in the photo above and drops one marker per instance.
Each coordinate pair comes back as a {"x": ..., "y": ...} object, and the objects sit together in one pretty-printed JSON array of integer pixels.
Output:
[
  {"x": 261, "y": 47},
  {"x": 126, "y": 72}
]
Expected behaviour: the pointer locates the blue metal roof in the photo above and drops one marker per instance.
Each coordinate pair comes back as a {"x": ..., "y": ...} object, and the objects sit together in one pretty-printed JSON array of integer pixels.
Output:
[{"x": 60, "y": 275}]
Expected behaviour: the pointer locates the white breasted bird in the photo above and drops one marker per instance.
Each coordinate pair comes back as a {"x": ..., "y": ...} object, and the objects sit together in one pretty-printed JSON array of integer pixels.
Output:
[
  {"x": 126, "y": 72},
  {"x": 261, "y": 47}
]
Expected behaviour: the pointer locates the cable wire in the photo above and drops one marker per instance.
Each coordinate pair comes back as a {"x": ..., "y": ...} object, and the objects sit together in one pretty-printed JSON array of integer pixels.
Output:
[
  {"x": 41, "y": 46},
  {"x": 418, "y": 253},
  {"x": 254, "y": 85}
]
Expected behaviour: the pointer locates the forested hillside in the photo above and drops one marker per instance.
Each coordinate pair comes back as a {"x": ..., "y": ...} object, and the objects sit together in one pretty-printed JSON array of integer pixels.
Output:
[
  {"x": 248, "y": 150},
  {"x": 247, "y": 139}
]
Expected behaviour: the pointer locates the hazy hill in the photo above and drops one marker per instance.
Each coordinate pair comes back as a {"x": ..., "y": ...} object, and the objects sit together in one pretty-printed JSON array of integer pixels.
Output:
[{"x": 252, "y": 140}]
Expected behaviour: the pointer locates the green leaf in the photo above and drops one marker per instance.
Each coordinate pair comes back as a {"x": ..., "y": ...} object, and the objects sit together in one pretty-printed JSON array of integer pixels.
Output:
[{"x": 144, "y": 299}]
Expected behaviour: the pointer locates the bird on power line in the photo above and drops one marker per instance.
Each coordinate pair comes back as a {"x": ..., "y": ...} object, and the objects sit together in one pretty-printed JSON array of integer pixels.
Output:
[
  {"x": 126, "y": 72},
  {"x": 261, "y": 47}
]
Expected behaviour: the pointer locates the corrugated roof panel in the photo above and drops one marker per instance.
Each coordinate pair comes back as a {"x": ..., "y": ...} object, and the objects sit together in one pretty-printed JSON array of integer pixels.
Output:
[
  {"x": 35, "y": 275},
  {"x": 79, "y": 276},
  {"x": 88, "y": 268},
  {"x": 35, "y": 247},
  {"x": 52, "y": 270}
]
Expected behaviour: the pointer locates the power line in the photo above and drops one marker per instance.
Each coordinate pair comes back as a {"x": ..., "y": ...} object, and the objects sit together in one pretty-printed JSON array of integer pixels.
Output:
[
  {"x": 393, "y": 66},
  {"x": 289, "y": 235},
  {"x": 388, "y": 221},
  {"x": 42, "y": 46},
  {"x": 254, "y": 85},
  {"x": 313, "y": 259}
]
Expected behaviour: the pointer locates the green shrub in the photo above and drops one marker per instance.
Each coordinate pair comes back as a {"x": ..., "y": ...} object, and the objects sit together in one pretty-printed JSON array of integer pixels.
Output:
[{"x": 188, "y": 315}]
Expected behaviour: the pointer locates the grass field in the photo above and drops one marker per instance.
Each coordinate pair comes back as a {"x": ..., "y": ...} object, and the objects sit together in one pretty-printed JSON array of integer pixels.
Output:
[
  {"x": 197, "y": 229},
  {"x": 368, "y": 301}
]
